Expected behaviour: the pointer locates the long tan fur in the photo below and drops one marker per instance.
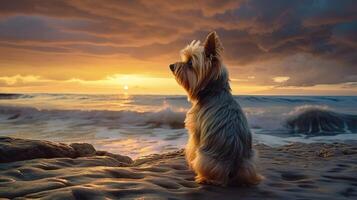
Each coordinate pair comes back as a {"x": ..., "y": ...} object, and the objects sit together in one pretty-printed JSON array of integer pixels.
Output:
[{"x": 219, "y": 148}]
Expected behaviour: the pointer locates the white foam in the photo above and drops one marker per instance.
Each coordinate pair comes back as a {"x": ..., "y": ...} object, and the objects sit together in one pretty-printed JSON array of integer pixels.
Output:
[
  {"x": 136, "y": 125},
  {"x": 275, "y": 141}
]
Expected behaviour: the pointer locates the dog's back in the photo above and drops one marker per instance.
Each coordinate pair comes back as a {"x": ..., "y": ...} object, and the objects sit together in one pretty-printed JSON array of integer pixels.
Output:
[{"x": 221, "y": 141}]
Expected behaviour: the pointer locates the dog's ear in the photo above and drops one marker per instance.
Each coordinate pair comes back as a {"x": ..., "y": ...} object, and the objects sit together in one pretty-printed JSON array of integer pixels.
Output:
[{"x": 213, "y": 46}]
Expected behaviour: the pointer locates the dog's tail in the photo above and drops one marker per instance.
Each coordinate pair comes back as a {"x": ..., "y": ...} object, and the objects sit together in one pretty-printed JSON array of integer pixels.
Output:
[{"x": 247, "y": 173}]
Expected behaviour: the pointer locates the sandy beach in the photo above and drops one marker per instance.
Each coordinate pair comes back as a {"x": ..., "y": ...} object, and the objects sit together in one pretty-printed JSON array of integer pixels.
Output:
[
  {"x": 99, "y": 99},
  {"x": 295, "y": 171}
]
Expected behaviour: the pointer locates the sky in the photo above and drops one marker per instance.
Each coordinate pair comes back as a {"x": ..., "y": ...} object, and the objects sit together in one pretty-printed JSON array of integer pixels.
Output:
[{"x": 272, "y": 47}]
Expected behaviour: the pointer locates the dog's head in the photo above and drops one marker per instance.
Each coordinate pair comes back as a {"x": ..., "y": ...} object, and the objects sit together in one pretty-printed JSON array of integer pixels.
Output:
[{"x": 200, "y": 67}]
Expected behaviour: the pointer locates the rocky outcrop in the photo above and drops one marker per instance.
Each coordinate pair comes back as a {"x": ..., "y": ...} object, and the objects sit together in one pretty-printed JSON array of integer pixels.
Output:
[
  {"x": 83, "y": 149},
  {"x": 14, "y": 149}
]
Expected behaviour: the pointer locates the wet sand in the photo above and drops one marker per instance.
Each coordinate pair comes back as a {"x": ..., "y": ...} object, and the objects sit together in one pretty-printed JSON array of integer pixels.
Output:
[{"x": 296, "y": 171}]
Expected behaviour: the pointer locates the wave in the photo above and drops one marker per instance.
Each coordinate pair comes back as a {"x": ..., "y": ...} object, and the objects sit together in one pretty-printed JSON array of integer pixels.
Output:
[
  {"x": 160, "y": 118},
  {"x": 297, "y": 99},
  {"x": 278, "y": 99},
  {"x": 319, "y": 120},
  {"x": 14, "y": 96},
  {"x": 161, "y": 111}
]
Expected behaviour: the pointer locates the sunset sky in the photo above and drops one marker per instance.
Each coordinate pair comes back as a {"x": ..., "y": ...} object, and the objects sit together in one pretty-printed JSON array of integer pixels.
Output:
[{"x": 279, "y": 47}]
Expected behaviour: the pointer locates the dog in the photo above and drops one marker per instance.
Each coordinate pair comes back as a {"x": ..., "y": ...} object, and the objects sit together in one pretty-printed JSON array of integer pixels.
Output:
[{"x": 219, "y": 148}]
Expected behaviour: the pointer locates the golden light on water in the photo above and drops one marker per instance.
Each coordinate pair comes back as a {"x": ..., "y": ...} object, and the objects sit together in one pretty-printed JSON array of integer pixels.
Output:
[{"x": 126, "y": 93}]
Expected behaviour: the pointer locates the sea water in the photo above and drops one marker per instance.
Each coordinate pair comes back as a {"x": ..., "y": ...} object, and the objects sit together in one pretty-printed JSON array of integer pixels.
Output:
[{"x": 138, "y": 125}]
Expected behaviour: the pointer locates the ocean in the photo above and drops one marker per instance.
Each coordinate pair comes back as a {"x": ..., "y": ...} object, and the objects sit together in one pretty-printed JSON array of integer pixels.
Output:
[{"x": 139, "y": 125}]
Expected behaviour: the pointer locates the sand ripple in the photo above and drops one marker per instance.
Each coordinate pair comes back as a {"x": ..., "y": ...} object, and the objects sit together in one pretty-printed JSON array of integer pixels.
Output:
[{"x": 297, "y": 171}]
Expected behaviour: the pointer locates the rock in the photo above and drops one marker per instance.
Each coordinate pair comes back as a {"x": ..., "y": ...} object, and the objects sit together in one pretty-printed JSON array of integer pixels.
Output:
[
  {"x": 13, "y": 149},
  {"x": 14, "y": 116},
  {"x": 325, "y": 153},
  {"x": 349, "y": 151},
  {"x": 83, "y": 149},
  {"x": 120, "y": 158}
]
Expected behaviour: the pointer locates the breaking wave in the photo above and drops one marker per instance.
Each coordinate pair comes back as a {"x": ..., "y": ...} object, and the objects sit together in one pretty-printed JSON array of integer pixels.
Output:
[
  {"x": 320, "y": 120},
  {"x": 163, "y": 117},
  {"x": 307, "y": 119},
  {"x": 14, "y": 96}
]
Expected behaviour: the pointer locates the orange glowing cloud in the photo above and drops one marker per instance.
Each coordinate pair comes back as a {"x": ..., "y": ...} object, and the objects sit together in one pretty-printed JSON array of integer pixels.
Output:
[{"x": 91, "y": 46}]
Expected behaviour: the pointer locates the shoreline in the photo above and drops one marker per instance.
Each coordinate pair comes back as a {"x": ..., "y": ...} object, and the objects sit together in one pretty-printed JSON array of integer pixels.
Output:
[{"x": 294, "y": 171}]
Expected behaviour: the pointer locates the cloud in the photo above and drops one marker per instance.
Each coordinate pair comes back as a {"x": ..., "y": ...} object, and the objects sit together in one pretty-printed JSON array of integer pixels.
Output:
[
  {"x": 350, "y": 85},
  {"x": 114, "y": 84},
  {"x": 280, "y": 79},
  {"x": 19, "y": 80},
  {"x": 265, "y": 39}
]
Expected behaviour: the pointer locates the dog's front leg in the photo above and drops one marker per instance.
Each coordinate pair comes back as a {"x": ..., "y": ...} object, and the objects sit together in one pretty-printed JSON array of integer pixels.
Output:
[
  {"x": 193, "y": 139},
  {"x": 191, "y": 149}
]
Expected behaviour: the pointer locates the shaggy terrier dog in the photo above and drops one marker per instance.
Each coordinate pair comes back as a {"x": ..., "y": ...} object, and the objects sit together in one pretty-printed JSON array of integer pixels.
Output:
[{"x": 219, "y": 147}]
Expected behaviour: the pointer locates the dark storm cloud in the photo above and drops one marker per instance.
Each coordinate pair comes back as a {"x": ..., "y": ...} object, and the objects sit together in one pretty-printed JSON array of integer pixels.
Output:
[
  {"x": 34, "y": 28},
  {"x": 252, "y": 31}
]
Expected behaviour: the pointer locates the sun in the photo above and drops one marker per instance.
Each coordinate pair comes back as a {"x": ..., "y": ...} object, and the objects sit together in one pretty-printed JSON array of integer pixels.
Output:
[{"x": 126, "y": 87}]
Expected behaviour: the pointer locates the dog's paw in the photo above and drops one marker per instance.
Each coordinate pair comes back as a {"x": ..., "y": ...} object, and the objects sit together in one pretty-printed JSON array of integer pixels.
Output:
[{"x": 201, "y": 180}]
